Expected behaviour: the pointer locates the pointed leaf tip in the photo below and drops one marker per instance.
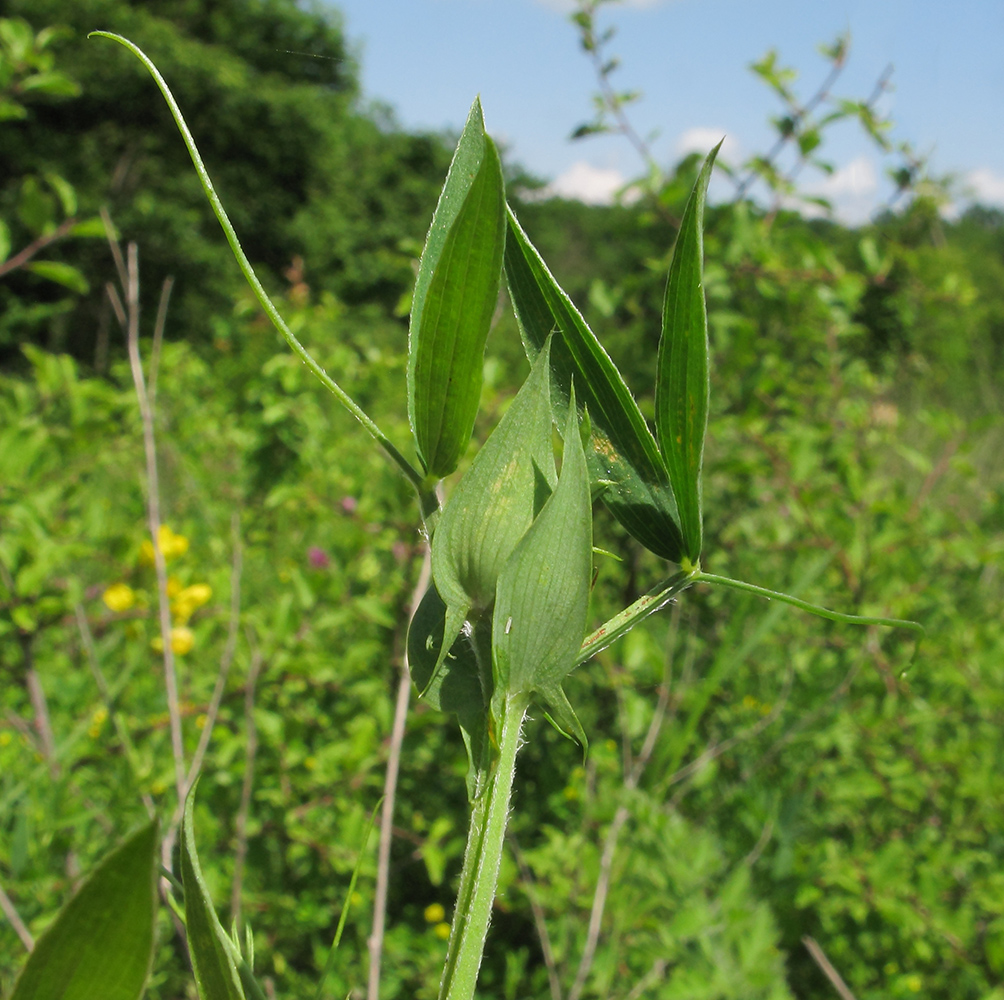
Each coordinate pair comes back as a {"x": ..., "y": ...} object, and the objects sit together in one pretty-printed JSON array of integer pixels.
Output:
[
  {"x": 682, "y": 389},
  {"x": 455, "y": 296},
  {"x": 212, "y": 953}
]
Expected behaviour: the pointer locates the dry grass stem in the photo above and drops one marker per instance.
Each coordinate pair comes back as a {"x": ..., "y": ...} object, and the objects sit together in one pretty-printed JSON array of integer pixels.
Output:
[
  {"x": 389, "y": 789},
  {"x": 14, "y": 918},
  {"x": 819, "y": 957},
  {"x": 539, "y": 921}
]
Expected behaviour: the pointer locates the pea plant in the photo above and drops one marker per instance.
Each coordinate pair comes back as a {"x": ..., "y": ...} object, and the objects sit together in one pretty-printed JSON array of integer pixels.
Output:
[{"x": 504, "y": 620}]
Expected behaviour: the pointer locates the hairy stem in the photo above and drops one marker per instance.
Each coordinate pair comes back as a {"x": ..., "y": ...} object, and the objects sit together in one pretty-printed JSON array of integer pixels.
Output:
[
  {"x": 622, "y": 623},
  {"x": 480, "y": 874}
]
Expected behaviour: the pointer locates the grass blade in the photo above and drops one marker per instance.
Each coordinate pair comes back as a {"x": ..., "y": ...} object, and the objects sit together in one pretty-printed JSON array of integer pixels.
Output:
[
  {"x": 455, "y": 295},
  {"x": 213, "y": 960},
  {"x": 348, "y": 899},
  {"x": 682, "y": 388}
]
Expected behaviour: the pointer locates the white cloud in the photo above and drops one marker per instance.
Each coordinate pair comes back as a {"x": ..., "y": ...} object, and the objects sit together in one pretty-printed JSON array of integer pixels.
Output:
[
  {"x": 702, "y": 139},
  {"x": 985, "y": 186},
  {"x": 852, "y": 190},
  {"x": 584, "y": 182}
]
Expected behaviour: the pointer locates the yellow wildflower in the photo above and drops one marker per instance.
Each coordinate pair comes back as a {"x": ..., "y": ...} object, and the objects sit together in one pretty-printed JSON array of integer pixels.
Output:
[
  {"x": 170, "y": 544},
  {"x": 442, "y": 931},
  {"x": 182, "y": 641},
  {"x": 187, "y": 601},
  {"x": 174, "y": 585},
  {"x": 97, "y": 721},
  {"x": 434, "y": 913},
  {"x": 119, "y": 597}
]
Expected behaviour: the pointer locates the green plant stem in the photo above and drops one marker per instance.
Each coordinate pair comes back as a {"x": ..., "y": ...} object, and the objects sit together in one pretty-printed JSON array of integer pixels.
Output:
[
  {"x": 626, "y": 620},
  {"x": 815, "y": 609},
  {"x": 480, "y": 874},
  {"x": 416, "y": 477}
]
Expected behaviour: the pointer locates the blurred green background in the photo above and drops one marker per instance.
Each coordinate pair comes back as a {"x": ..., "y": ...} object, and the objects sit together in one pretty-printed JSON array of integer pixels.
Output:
[{"x": 807, "y": 780}]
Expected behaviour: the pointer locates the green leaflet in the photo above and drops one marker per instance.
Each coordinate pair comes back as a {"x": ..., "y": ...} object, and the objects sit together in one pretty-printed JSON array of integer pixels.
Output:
[
  {"x": 682, "y": 388},
  {"x": 543, "y": 595},
  {"x": 62, "y": 274},
  {"x": 455, "y": 295},
  {"x": 493, "y": 505},
  {"x": 462, "y": 686},
  {"x": 623, "y": 454},
  {"x": 101, "y": 944},
  {"x": 212, "y": 953}
]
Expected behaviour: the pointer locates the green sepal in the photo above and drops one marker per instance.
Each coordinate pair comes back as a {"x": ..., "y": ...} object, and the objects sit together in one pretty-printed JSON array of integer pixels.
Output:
[
  {"x": 100, "y": 945},
  {"x": 682, "y": 388},
  {"x": 542, "y": 597},
  {"x": 456, "y": 292},
  {"x": 493, "y": 505},
  {"x": 462, "y": 686},
  {"x": 213, "y": 954},
  {"x": 624, "y": 461},
  {"x": 559, "y": 712}
]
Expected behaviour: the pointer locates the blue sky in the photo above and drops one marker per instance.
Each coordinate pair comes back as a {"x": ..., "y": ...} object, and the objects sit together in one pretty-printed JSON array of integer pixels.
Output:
[{"x": 428, "y": 58}]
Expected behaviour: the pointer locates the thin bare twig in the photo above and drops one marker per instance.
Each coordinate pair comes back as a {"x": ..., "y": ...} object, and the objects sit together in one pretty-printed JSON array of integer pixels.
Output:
[
  {"x": 158, "y": 335},
  {"x": 615, "y": 106},
  {"x": 36, "y": 246},
  {"x": 46, "y": 742},
  {"x": 24, "y": 728},
  {"x": 20, "y": 928},
  {"x": 819, "y": 957},
  {"x": 650, "y": 978},
  {"x": 798, "y": 115},
  {"x": 528, "y": 887},
  {"x": 631, "y": 779},
  {"x": 153, "y": 516},
  {"x": 116, "y": 250},
  {"x": 389, "y": 789},
  {"x": 116, "y": 301},
  {"x": 244, "y": 810}
]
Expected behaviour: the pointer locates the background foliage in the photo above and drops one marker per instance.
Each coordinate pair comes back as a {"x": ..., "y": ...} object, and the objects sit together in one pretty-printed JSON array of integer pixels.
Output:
[{"x": 806, "y": 779}]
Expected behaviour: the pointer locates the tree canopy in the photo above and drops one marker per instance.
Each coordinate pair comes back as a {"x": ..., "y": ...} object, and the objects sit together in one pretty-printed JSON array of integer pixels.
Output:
[{"x": 271, "y": 94}]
